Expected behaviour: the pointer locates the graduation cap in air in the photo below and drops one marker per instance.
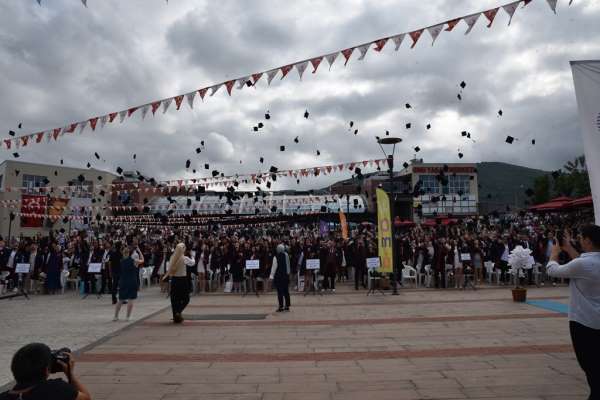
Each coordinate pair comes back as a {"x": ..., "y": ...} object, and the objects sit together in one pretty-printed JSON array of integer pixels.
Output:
[
  {"x": 428, "y": 126},
  {"x": 459, "y": 96},
  {"x": 97, "y": 155},
  {"x": 206, "y": 166},
  {"x": 281, "y": 148},
  {"x": 306, "y": 114},
  {"x": 408, "y": 125},
  {"x": 463, "y": 84},
  {"x": 296, "y": 139},
  {"x": 463, "y": 133},
  {"x": 387, "y": 133},
  {"x": 215, "y": 173},
  {"x": 102, "y": 193},
  {"x": 356, "y": 131},
  {"x": 500, "y": 113},
  {"x": 460, "y": 155},
  {"x": 119, "y": 170},
  {"x": 260, "y": 125},
  {"x": 273, "y": 169},
  {"x": 202, "y": 143},
  {"x": 510, "y": 139},
  {"x": 274, "y": 209},
  {"x": 262, "y": 160},
  {"x": 193, "y": 171},
  {"x": 269, "y": 185},
  {"x": 323, "y": 209},
  {"x": 405, "y": 165},
  {"x": 533, "y": 142},
  {"x": 187, "y": 164},
  {"x": 417, "y": 149},
  {"x": 255, "y": 129},
  {"x": 134, "y": 156},
  {"x": 267, "y": 115},
  {"x": 318, "y": 153},
  {"x": 20, "y": 125},
  {"x": 89, "y": 165},
  {"x": 46, "y": 181},
  {"x": 198, "y": 150},
  {"x": 16, "y": 155},
  {"x": 189, "y": 202},
  {"x": 81, "y": 178},
  {"x": 61, "y": 161},
  {"x": 11, "y": 133},
  {"x": 297, "y": 181},
  {"x": 55, "y": 173},
  {"x": 408, "y": 105}
]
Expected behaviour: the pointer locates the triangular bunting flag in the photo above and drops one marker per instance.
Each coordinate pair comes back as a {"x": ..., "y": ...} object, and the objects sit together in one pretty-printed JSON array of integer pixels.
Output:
[
  {"x": 166, "y": 103},
  {"x": 155, "y": 106},
  {"x": 452, "y": 24},
  {"x": 112, "y": 116},
  {"x": 347, "y": 54},
  {"x": 122, "y": 115},
  {"x": 398, "y": 39},
  {"x": 229, "y": 86},
  {"x": 39, "y": 136},
  {"x": 331, "y": 58},
  {"x": 285, "y": 70},
  {"x": 190, "y": 98},
  {"x": 24, "y": 140},
  {"x": 83, "y": 124},
  {"x": 315, "y": 63},
  {"x": 178, "y": 101},
  {"x": 131, "y": 111},
  {"x": 470, "y": 21},
  {"x": 363, "y": 50},
  {"x": 271, "y": 74},
  {"x": 510, "y": 10},
  {"x": 93, "y": 122},
  {"x": 415, "y": 35},
  {"x": 256, "y": 77},
  {"x": 145, "y": 109},
  {"x": 301, "y": 67},
  {"x": 490, "y": 15},
  {"x": 434, "y": 31},
  {"x": 213, "y": 89},
  {"x": 103, "y": 120},
  {"x": 202, "y": 93},
  {"x": 552, "y": 4},
  {"x": 380, "y": 44},
  {"x": 84, "y": 2}
]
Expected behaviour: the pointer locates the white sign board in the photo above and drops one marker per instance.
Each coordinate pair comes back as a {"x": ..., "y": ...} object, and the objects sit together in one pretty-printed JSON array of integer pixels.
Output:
[
  {"x": 313, "y": 263},
  {"x": 22, "y": 268},
  {"x": 373, "y": 263},
  {"x": 465, "y": 257},
  {"x": 252, "y": 264},
  {"x": 95, "y": 268}
]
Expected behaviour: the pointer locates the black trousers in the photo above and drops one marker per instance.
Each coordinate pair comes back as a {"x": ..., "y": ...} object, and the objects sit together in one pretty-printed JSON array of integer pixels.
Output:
[
  {"x": 586, "y": 344},
  {"x": 359, "y": 277},
  {"x": 106, "y": 282},
  {"x": 283, "y": 293},
  {"x": 115, "y": 287},
  {"x": 329, "y": 281},
  {"x": 180, "y": 294}
]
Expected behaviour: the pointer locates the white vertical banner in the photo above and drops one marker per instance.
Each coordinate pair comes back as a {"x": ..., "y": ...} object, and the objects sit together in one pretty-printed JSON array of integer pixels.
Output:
[{"x": 586, "y": 76}]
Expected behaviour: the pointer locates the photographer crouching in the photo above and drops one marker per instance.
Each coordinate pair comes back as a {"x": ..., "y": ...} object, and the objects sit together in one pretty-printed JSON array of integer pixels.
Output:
[
  {"x": 583, "y": 271},
  {"x": 31, "y": 367}
]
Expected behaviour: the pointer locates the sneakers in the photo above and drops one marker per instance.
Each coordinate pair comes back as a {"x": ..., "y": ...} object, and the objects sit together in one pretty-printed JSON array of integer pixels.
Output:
[
  {"x": 287, "y": 309},
  {"x": 115, "y": 319},
  {"x": 279, "y": 310}
]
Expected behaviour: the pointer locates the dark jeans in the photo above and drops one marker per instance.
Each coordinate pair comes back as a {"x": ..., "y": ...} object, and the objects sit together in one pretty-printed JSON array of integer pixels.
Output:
[
  {"x": 329, "y": 281},
  {"x": 440, "y": 279},
  {"x": 106, "y": 283},
  {"x": 283, "y": 293},
  {"x": 180, "y": 294},
  {"x": 585, "y": 342},
  {"x": 359, "y": 277},
  {"x": 115, "y": 287}
]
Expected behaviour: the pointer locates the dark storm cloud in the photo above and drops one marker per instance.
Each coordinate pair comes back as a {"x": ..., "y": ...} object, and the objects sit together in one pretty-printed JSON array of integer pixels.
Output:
[{"x": 63, "y": 62}]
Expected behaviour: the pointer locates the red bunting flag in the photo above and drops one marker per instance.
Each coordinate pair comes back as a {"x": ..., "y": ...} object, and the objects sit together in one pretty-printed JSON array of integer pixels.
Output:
[
  {"x": 380, "y": 44},
  {"x": 131, "y": 111},
  {"x": 415, "y": 35},
  {"x": 285, "y": 70},
  {"x": 490, "y": 15},
  {"x": 93, "y": 122},
  {"x": 155, "y": 106},
  {"x": 202, "y": 93},
  {"x": 452, "y": 24},
  {"x": 24, "y": 140},
  {"x": 178, "y": 101},
  {"x": 39, "y": 136},
  {"x": 315, "y": 63},
  {"x": 112, "y": 116},
  {"x": 69, "y": 129},
  {"x": 347, "y": 53},
  {"x": 256, "y": 77},
  {"x": 229, "y": 86}
]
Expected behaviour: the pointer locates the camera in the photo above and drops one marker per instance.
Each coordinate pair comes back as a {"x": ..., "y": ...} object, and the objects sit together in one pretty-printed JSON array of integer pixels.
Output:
[{"x": 59, "y": 355}]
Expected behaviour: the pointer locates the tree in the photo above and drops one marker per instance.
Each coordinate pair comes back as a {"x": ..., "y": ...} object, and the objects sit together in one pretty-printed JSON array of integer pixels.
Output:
[
  {"x": 541, "y": 189},
  {"x": 575, "y": 181}
]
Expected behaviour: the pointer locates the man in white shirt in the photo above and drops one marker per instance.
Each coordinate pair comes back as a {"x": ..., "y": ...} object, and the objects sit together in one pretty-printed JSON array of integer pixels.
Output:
[{"x": 584, "y": 310}]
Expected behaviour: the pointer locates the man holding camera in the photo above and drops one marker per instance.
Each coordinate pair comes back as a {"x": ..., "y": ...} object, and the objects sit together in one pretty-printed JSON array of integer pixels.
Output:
[
  {"x": 32, "y": 365},
  {"x": 584, "y": 309}
]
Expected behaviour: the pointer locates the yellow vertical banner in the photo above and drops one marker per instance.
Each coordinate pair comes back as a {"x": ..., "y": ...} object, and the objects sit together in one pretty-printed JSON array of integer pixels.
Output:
[
  {"x": 344, "y": 225},
  {"x": 384, "y": 232}
]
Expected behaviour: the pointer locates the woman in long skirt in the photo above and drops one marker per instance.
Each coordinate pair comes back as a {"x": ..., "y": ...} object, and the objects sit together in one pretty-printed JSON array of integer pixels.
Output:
[
  {"x": 128, "y": 284},
  {"x": 53, "y": 269},
  {"x": 180, "y": 294}
]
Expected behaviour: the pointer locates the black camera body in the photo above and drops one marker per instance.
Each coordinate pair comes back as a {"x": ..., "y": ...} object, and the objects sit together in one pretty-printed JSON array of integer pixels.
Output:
[{"x": 59, "y": 355}]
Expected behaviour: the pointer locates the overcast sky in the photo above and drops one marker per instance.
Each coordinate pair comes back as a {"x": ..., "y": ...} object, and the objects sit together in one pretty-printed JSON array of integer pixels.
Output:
[{"x": 62, "y": 62}]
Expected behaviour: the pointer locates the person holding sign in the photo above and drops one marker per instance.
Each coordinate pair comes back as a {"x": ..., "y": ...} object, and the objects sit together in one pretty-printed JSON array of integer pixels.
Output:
[{"x": 280, "y": 275}]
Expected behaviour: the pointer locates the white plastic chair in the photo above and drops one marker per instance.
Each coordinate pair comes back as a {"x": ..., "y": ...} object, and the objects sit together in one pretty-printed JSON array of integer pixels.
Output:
[
  {"x": 409, "y": 274},
  {"x": 537, "y": 273},
  {"x": 145, "y": 277},
  {"x": 428, "y": 275},
  {"x": 489, "y": 268}
]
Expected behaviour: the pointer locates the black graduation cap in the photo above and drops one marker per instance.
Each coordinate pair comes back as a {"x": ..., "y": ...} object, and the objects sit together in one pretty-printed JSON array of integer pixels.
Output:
[
  {"x": 408, "y": 105},
  {"x": 296, "y": 139},
  {"x": 500, "y": 113},
  {"x": 81, "y": 178},
  {"x": 417, "y": 149},
  {"x": 463, "y": 133},
  {"x": 193, "y": 171},
  {"x": 269, "y": 185},
  {"x": 356, "y": 131},
  {"x": 20, "y": 125},
  {"x": 468, "y": 135},
  {"x": 189, "y": 202},
  {"x": 306, "y": 114},
  {"x": 93, "y": 200},
  {"x": 202, "y": 143},
  {"x": 323, "y": 209},
  {"x": 206, "y": 166},
  {"x": 55, "y": 173},
  {"x": 297, "y": 181},
  {"x": 97, "y": 155},
  {"x": 260, "y": 125},
  {"x": 134, "y": 156},
  {"x": 61, "y": 161},
  {"x": 510, "y": 139},
  {"x": 281, "y": 148},
  {"x": 267, "y": 115},
  {"x": 236, "y": 183},
  {"x": 387, "y": 133},
  {"x": 463, "y": 84},
  {"x": 529, "y": 192},
  {"x": 533, "y": 142},
  {"x": 16, "y": 155},
  {"x": 89, "y": 165},
  {"x": 408, "y": 125},
  {"x": 46, "y": 181},
  {"x": 459, "y": 96},
  {"x": 460, "y": 155},
  {"x": 102, "y": 193},
  {"x": 262, "y": 160},
  {"x": 249, "y": 83},
  {"x": 428, "y": 126},
  {"x": 273, "y": 169},
  {"x": 119, "y": 170},
  {"x": 215, "y": 173},
  {"x": 318, "y": 153},
  {"x": 187, "y": 164},
  {"x": 255, "y": 129},
  {"x": 405, "y": 165},
  {"x": 11, "y": 133},
  {"x": 198, "y": 150}
]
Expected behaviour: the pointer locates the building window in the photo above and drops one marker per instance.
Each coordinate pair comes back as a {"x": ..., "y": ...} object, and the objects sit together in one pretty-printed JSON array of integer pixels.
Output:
[
  {"x": 430, "y": 184},
  {"x": 30, "y": 182},
  {"x": 458, "y": 184}
]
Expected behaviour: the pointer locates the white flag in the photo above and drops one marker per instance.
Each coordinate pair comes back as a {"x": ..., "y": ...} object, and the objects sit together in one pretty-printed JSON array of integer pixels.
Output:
[
  {"x": 242, "y": 82},
  {"x": 145, "y": 109},
  {"x": 398, "y": 39},
  {"x": 511, "y": 9},
  {"x": 470, "y": 21},
  {"x": 301, "y": 67},
  {"x": 331, "y": 58},
  {"x": 271, "y": 74},
  {"x": 434, "y": 31},
  {"x": 363, "y": 50},
  {"x": 213, "y": 89},
  {"x": 122, "y": 115},
  {"x": 190, "y": 98},
  {"x": 103, "y": 120},
  {"x": 586, "y": 76},
  {"x": 82, "y": 126},
  {"x": 166, "y": 103},
  {"x": 552, "y": 4}
]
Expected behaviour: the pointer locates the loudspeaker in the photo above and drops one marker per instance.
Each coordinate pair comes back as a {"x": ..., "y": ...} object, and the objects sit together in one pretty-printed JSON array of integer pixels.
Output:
[{"x": 403, "y": 207}]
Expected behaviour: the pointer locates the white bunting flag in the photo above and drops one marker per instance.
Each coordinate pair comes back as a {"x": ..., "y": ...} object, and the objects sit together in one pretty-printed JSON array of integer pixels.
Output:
[
  {"x": 82, "y": 126},
  {"x": 103, "y": 120},
  {"x": 122, "y": 115},
  {"x": 271, "y": 74},
  {"x": 363, "y": 50},
  {"x": 166, "y": 103},
  {"x": 242, "y": 82},
  {"x": 552, "y": 4},
  {"x": 435, "y": 31},
  {"x": 213, "y": 89},
  {"x": 331, "y": 58},
  {"x": 398, "y": 39},
  {"x": 470, "y": 21},
  {"x": 145, "y": 109},
  {"x": 84, "y": 2},
  {"x": 190, "y": 98},
  {"x": 301, "y": 67},
  {"x": 511, "y": 9}
]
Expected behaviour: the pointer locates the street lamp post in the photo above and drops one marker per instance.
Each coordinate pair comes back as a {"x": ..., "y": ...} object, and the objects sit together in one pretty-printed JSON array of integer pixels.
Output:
[{"x": 390, "y": 159}]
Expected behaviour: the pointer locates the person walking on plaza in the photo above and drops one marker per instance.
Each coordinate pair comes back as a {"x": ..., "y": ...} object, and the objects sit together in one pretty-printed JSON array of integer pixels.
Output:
[
  {"x": 280, "y": 275},
  {"x": 583, "y": 272},
  {"x": 180, "y": 293},
  {"x": 53, "y": 268},
  {"x": 128, "y": 285}
]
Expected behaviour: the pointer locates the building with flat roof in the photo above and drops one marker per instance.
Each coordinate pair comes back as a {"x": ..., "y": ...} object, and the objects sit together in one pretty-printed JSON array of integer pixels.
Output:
[{"x": 31, "y": 188}]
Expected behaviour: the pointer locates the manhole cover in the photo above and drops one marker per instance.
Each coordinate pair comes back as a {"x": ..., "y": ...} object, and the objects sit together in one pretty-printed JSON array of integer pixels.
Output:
[{"x": 225, "y": 317}]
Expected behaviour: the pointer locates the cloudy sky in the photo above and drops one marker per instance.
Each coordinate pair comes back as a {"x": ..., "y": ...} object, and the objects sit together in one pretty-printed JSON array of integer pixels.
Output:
[{"x": 62, "y": 62}]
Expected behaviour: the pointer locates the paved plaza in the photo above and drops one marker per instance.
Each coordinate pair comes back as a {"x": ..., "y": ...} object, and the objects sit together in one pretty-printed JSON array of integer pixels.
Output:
[{"x": 423, "y": 344}]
